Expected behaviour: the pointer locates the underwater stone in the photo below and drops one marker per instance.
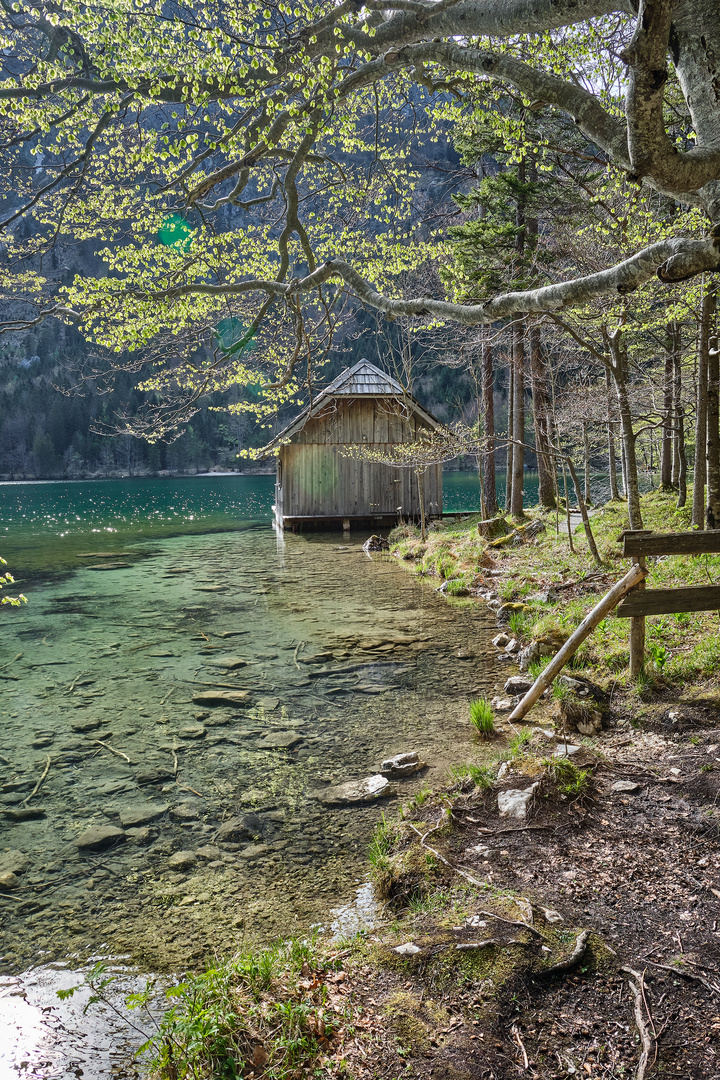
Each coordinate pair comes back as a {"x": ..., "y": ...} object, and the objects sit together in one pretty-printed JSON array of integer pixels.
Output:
[
  {"x": 99, "y": 838},
  {"x": 25, "y": 813},
  {"x": 154, "y": 775},
  {"x": 240, "y": 828},
  {"x": 8, "y": 881},
  {"x": 140, "y": 837},
  {"x": 222, "y": 697},
  {"x": 140, "y": 814},
  {"x": 280, "y": 740},
  {"x": 182, "y": 860},
  {"x": 13, "y": 862},
  {"x": 185, "y": 811}
]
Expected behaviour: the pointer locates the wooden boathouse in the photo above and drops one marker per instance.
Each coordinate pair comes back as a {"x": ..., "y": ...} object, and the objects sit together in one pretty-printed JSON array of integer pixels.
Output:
[{"x": 317, "y": 486}]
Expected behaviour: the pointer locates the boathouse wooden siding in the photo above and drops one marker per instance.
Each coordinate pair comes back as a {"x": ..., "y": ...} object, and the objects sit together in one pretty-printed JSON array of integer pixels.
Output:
[{"x": 317, "y": 482}]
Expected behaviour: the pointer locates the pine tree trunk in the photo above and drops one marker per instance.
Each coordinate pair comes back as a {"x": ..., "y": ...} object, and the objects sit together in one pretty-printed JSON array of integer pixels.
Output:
[
  {"x": 666, "y": 449},
  {"x": 712, "y": 514},
  {"x": 700, "y": 469},
  {"x": 541, "y": 414},
  {"x": 488, "y": 408},
  {"x": 516, "y": 502}
]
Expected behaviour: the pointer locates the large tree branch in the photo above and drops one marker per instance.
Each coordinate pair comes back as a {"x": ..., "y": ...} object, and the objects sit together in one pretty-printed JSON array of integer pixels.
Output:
[
  {"x": 651, "y": 151},
  {"x": 480, "y": 18},
  {"x": 670, "y": 260}
]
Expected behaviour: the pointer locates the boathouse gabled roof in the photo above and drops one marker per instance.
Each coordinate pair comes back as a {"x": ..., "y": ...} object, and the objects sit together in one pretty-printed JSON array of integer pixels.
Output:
[{"x": 362, "y": 380}]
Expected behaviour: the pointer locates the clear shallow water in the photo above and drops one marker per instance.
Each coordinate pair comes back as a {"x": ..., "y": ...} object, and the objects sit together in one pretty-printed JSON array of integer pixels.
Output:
[{"x": 350, "y": 658}]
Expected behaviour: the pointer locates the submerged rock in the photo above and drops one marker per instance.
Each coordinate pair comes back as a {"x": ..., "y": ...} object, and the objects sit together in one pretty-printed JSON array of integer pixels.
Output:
[
  {"x": 140, "y": 836},
  {"x": 185, "y": 811},
  {"x": 13, "y": 862},
  {"x": 231, "y": 662},
  {"x": 239, "y": 828},
  {"x": 8, "y": 881},
  {"x": 100, "y": 837},
  {"x": 25, "y": 813},
  {"x": 280, "y": 740},
  {"x": 182, "y": 860},
  {"x": 222, "y": 697},
  {"x": 155, "y": 774},
  {"x": 514, "y": 803},
  {"x": 208, "y": 851},
  {"x": 140, "y": 814},
  {"x": 357, "y": 791}
]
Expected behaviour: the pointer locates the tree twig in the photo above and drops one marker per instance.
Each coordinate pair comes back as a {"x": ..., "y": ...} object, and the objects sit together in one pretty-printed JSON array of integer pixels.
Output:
[
  {"x": 37, "y": 786},
  {"x": 118, "y": 753},
  {"x": 521, "y": 1046},
  {"x": 637, "y": 989}
]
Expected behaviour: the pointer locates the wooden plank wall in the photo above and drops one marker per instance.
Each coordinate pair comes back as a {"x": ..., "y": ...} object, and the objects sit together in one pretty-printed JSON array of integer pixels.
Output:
[{"x": 319, "y": 481}]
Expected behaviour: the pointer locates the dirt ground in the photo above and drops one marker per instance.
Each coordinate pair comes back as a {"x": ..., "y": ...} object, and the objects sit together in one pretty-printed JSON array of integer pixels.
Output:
[{"x": 637, "y": 869}]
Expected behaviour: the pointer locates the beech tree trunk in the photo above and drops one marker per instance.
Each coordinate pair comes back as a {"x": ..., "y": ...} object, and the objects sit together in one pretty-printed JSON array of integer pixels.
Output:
[
  {"x": 488, "y": 409},
  {"x": 666, "y": 449},
  {"x": 618, "y": 370},
  {"x": 700, "y": 469},
  {"x": 612, "y": 468},
  {"x": 712, "y": 513},
  {"x": 541, "y": 418},
  {"x": 510, "y": 428},
  {"x": 516, "y": 501},
  {"x": 682, "y": 459},
  {"x": 586, "y": 459},
  {"x": 679, "y": 466}
]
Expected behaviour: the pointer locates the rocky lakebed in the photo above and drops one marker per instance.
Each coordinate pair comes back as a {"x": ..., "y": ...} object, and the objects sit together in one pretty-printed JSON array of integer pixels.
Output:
[{"x": 184, "y": 724}]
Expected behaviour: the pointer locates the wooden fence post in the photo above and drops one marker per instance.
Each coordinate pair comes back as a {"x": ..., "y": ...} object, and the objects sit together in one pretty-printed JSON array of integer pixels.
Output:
[{"x": 637, "y": 631}]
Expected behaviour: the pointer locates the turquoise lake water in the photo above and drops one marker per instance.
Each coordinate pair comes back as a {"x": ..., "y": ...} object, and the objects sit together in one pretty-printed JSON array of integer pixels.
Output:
[{"x": 146, "y": 596}]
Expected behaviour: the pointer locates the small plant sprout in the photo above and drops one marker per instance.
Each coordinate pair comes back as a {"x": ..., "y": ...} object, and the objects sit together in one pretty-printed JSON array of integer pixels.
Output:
[{"x": 481, "y": 718}]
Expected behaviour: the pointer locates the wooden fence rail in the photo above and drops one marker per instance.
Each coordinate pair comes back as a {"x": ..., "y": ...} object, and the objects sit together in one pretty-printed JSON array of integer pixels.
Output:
[{"x": 636, "y": 602}]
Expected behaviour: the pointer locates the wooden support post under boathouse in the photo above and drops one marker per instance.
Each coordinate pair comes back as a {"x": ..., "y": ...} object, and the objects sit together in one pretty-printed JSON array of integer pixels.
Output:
[{"x": 319, "y": 486}]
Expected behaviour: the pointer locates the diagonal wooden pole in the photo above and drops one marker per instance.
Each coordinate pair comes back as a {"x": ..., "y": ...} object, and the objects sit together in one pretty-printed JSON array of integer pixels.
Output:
[{"x": 634, "y": 576}]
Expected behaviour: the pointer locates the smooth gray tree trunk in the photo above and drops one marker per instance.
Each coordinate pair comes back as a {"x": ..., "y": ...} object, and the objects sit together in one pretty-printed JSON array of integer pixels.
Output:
[
  {"x": 516, "y": 501},
  {"x": 666, "y": 448},
  {"x": 700, "y": 469},
  {"x": 712, "y": 456},
  {"x": 488, "y": 409},
  {"x": 618, "y": 370},
  {"x": 510, "y": 428},
  {"x": 541, "y": 418}
]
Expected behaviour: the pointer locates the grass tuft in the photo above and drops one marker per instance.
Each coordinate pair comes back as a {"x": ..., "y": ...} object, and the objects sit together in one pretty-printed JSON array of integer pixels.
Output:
[{"x": 481, "y": 718}]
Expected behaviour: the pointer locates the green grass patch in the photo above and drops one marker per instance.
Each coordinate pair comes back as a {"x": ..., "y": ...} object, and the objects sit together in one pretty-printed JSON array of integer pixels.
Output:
[{"x": 482, "y": 718}]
